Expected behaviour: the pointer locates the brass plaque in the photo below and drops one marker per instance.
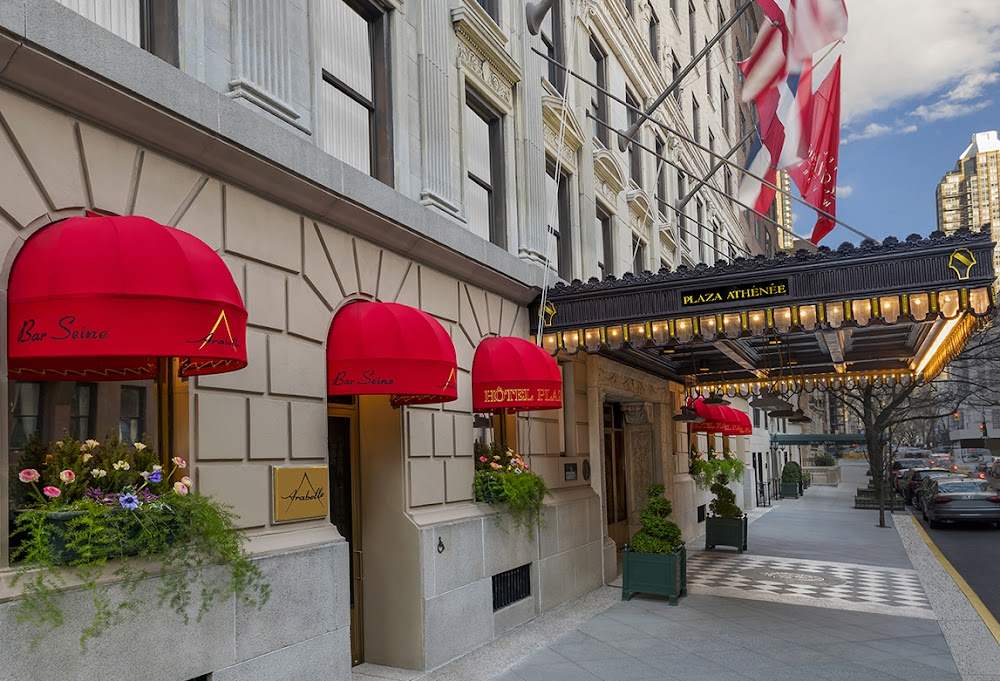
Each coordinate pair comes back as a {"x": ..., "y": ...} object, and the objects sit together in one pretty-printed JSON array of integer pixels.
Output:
[{"x": 299, "y": 493}]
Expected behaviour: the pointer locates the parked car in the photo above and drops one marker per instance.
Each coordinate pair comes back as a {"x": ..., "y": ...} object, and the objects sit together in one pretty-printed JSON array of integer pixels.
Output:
[
  {"x": 968, "y": 458},
  {"x": 961, "y": 500},
  {"x": 942, "y": 460},
  {"x": 900, "y": 466},
  {"x": 921, "y": 489},
  {"x": 913, "y": 477}
]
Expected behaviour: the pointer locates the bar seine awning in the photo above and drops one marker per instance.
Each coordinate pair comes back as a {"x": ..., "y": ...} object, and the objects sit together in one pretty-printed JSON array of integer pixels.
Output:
[
  {"x": 719, "y": 419},
  {"x": 514, "y": 374},
  {"x": 107, "y": 298},
  {"x": 889, "y": 311},
  {"x": 390, "y": 349}
]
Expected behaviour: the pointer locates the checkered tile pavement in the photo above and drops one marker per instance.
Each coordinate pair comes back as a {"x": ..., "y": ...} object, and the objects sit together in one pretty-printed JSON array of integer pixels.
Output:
[{"x": 831, "y": 585}]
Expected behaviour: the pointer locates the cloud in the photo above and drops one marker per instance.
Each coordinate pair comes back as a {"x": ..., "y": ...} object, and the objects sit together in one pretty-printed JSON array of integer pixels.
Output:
[
  {"x": 873, "y": 130},
  {"x": 845, "y": 191},
  {"x": 901, "y": 50},
  {"x": 959, "y": 100}
]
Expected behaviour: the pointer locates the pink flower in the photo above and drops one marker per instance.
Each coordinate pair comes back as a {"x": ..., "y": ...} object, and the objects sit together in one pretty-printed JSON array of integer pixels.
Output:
[
  {"x": 179, "y": 462},
  {"x": 495, "y": 465},
  {"x": 483, "y": 459},
  {"x": 52, "y": 492},
  {"x": 28, "y": 475},
  {"x": 180, "y": 488},
  {"x": 187, "y": 481},
  {"x": 67, "y": 476}
]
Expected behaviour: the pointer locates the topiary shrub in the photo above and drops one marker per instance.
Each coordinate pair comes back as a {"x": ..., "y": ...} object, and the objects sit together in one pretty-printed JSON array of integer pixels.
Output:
[
  {"x": 825, "y": 459},
  {"x": 658, "y": 535},
  {"x": 791, "y": 472},
  {"x": 724, "y": 504}
]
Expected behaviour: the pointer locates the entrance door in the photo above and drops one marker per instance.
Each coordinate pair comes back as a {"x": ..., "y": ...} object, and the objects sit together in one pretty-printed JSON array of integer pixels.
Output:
[
  {"x": 345, "y": 501},
  {"x": 615, "y": 487}
]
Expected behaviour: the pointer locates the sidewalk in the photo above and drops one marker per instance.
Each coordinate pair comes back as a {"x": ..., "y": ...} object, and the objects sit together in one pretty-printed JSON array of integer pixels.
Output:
[{"x": 822, "y": 593}]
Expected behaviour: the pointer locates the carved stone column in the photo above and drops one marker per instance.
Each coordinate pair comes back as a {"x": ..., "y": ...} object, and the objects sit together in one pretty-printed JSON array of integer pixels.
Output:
[
  {"x": 639, "y": 455},
  {"x": 435, "y": 99}
]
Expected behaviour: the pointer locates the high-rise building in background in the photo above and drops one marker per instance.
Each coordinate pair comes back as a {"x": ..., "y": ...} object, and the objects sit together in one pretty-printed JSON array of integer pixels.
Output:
[
  {"x": 783, "y": 212},
  {"x": 969, "y": 195}
]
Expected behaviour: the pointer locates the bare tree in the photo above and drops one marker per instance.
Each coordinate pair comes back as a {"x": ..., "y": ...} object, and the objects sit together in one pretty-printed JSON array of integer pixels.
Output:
[{"x": 916, "y": 408}]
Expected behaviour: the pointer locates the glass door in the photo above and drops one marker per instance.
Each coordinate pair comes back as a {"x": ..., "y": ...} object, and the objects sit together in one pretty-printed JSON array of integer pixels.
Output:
[
  {"x": 615, "y": 484},
  {"x": 345, "y": 503}
]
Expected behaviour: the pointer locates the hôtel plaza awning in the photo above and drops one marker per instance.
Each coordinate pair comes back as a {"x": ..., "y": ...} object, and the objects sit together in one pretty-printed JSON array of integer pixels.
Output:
[
  {"x": 514, "y": 374},
  {"x": 890, "y": 311},
  {"x": 390, "y": 349},
  {"x": 109, "y": 298},
  {"x": 719, "y": 419}
]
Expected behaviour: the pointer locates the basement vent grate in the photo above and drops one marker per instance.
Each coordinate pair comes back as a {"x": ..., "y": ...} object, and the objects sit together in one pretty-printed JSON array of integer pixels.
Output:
[{"x": 511, "y": 586}]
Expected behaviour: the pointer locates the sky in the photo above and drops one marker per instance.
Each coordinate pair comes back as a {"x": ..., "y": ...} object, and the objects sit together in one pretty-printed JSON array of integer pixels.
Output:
[{"x": 919, "y": 78}]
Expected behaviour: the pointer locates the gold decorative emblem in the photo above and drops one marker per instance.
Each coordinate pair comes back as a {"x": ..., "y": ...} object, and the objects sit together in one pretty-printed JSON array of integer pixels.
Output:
[
  {"x": 548, "y": 312},
  {"x": 962, "y": 261},
  {"x": 299, "y": 492}
]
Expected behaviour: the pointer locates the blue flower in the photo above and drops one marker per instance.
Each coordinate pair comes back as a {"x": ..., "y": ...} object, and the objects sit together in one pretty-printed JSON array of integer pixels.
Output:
[
  {"x": 155, "y": 476},
  {"x": 129, "y": 501}
]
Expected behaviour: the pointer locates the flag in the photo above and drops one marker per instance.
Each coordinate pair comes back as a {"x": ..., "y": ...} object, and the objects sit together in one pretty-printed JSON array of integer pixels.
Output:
[
  {"x": 752, "y": 192},
  {"x": 816, "y": 176},
  {"x": 804, "y": 26}
]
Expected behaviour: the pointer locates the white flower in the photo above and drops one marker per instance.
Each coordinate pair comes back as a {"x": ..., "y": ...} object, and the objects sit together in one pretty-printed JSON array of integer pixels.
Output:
[
  {"x": 93, "y": 443},
  {"x": 99, "y": 473},
  {"x": 157, "y": 467},
  {"x": 139, "y": 446},
  {"x": 180, "y": 488},
  {"x": 121, "y": 466},
  {"x": 87, "y": 457}
]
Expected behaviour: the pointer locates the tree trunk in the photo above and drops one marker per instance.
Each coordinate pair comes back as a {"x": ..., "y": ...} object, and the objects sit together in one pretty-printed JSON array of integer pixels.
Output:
[{"x": 876, "y": 461}]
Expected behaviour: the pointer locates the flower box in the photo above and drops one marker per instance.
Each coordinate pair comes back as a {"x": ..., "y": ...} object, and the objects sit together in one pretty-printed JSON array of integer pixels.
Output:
[
  {"x": 726, "y": 532},
  {"x": 660, "y": 574},
  {"x": 790, "y": 490},
  {"x": 124, "y": 540}
]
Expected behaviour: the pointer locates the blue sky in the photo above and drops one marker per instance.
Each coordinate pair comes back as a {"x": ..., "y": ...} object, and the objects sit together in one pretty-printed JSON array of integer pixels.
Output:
[{"x": 919, "y": 78}]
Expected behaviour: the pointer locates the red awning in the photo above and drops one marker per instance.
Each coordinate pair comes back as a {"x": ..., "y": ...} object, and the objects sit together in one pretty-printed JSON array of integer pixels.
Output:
[
  {"x": 390, "y": 349},
  {"x": 516, "y": 375},
  {"x": 104, "y": 298},
  {"x": 725, "y": 420}
]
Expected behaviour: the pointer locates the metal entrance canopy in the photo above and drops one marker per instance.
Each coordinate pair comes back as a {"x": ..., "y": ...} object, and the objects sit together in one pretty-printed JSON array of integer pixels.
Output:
[{"x": 890, "y": 311}]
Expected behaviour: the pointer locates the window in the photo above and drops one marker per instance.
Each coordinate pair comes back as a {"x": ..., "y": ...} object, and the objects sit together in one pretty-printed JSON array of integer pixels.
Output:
[
  {"x": 25, "y": 412},
  {"x": 158, "y": 29},
  {"x": 673, "y": 7},
  {"x": 484, "y": 187},
  {"x": 630, "y": 7},
  {"x": 696, "y": 119},
  {"x": 675, "y": 72},
  {"x": 716, "y": 251},
  {"x": 654, "y": 36},
  {"x": 598, "y": 99},
  {"x": 552, "y": 37},
  {"x": 353, "y": 117},
  {"x": 756, "y": 417},
  {"x": 638, "y": 254},
  {"x": 83, "y": 411},
  {"x": 711, "y": 143},
  {"x": 692, "y": 34},
  {"x": 634, "y": 155},
  {"x": 607, "y": 255},
  {"x": 700, "y": 218},
  {"x": 724, "y": 105},
  {"x": 132, "y": 421},
  {"x": 729, "y": 182},
  {"x": 661, "y": 177},
  {"x": 492, "y": 8},
  {"x": 767, "y": 244},
  {"x": 722, "y": 20},
  {"x": 708, "y": 73},
  {"x": 560, "y": 245},
  {"x": 681, "y": 217}
]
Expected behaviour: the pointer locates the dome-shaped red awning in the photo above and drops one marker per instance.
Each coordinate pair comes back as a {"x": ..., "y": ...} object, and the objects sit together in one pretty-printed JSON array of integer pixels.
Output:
[
  {"x": 104, "y": 298},
  {"x": 516, "y": 375},
  {"x": 719, "y": 419},
  {"x": 390, "y": 349}
]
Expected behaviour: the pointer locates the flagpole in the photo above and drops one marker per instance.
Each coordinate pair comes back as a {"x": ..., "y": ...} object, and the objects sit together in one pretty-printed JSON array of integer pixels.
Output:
[
  {"x": 701, "y": 183},
  {"x": 625, "y": 136},
  {"x": 714, "y": 189},
  {"x": 697, "y": 145}
]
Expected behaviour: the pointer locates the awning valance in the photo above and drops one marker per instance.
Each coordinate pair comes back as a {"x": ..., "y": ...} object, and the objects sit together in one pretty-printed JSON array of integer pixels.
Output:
[
  {"x": 106, "y": 298},
  {"x": 720, "y": 419},
  {"x": 390, "y": 349},
  {"x": 516, "y": 375}
]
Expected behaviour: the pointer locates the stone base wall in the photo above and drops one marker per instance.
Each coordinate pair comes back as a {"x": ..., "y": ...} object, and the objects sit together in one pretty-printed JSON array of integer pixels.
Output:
[
  {"x": 303, "y": 632},
  {"x": 823, "y": 475}
]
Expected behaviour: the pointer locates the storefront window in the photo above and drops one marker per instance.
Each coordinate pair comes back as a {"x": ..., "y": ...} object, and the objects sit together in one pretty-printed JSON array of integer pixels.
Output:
[
  {"x": 25, "y": 413},
  {"x": 132, "y": 423},
  {"x": 82, "y": 411}
]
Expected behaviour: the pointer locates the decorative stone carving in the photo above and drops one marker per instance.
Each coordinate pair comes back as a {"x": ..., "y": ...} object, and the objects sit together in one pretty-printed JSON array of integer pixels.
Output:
[
  {"x": 482, "y": 54},
  {"x": 608, "y": 175},
  {"x": 619, "y": 379},
  {"x": 641, "y": 468},
  {"x": 553, "y": 114},
  {"x": 637, "y": 412}
]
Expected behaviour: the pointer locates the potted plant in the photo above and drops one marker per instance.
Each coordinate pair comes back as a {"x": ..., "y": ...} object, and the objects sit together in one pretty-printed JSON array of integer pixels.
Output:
[
  {"x": 727, "y": 524},
  {"x": 503, "y": 477},
  {"x": 791, "y": 476},
  {"x": 96, "y": 505},
  {"x": 655, "y": 560}
]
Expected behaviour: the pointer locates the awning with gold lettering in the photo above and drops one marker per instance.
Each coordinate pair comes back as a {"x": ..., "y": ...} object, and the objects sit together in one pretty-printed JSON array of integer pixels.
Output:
[
  {"x": 515, "y": 375},
  {"x": 107, "y": 298},
  {"x": 390, "y": 349},
  {"x": 719, "y": 419},
  {"x": 880, "y": 312}
]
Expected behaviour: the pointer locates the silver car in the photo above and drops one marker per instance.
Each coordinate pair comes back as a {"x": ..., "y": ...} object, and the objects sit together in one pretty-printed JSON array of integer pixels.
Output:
[{"x": 961, "y": 500}]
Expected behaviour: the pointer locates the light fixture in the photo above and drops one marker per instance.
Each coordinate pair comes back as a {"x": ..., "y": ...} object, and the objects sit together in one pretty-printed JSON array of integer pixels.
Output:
[
  {"x": 769, "y": 401},
  {"x": 783, "y": 413},
  {"x": 688, "y": 415},
  {"x": 716, "y": 399},
  {"x": 799, "y": 417}
]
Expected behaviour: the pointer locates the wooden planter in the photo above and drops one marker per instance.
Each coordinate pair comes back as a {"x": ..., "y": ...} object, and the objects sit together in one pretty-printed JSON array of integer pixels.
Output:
[
  {"x": 661, "y": 574},
  {"x": 726, "y": 532},
  {"x": 790, "y": 490}
]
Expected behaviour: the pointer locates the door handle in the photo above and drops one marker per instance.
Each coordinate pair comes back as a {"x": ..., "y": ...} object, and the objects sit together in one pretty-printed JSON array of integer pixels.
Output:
[{"x": 358, "y": 565}]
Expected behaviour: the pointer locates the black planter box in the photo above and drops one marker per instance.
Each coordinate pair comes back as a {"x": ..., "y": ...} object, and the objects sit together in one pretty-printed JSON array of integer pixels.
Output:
[
  {"x": 726, "y": 532},
  {"x": 661, "y": 574},
  {"x": 790, "y": 490}
]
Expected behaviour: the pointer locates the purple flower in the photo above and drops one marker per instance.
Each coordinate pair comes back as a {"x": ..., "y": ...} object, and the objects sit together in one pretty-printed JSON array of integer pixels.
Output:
[
  {"x": 128, "y": 501},
  {"x": 145, "y": 496},
  {"x": 155, "y": 476}
]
